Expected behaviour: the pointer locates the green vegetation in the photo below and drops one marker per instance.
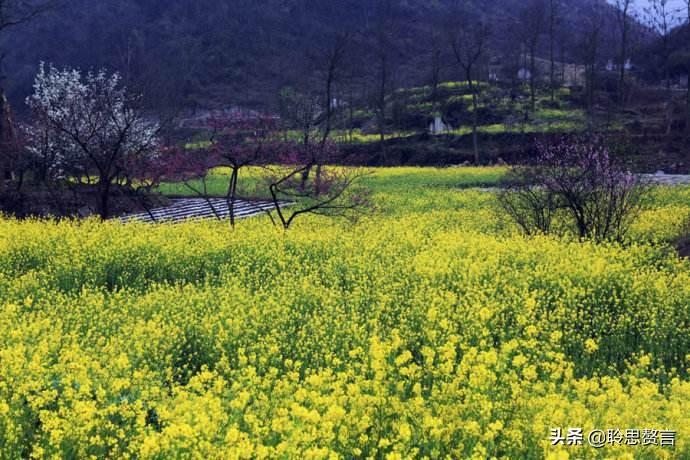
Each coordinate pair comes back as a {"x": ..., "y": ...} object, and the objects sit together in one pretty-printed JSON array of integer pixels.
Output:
[
  {"x": 356, "y": 136},
  {"x": 385, "y": 181},
  {"x": 498, "y": 112},
  {"x": 198, "y": 145}
]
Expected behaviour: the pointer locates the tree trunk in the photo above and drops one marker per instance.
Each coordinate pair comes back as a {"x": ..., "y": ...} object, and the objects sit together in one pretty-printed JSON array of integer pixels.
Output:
[
  {"x": 351, "y": 114},
  {"x": 590, "y": 94},
  {"x": 475, "y": 137},
  {"x": 232, "y": 195},
  {"x": 621, "y": 86},
  {"x": 9, "y": 143},
  {"x": 532, "y": 84},
  {"x": 104, "y": 198},
  {"x": 687, "y": 109},
  {"x": 305, "y": 177},
  {"x": 382, "y": 133},
  {"x": 552, "y": 25},
  {"x": 305, "y": 174},
  {"x": 475, "y": 117},
  {"x": 3, "y": 135},
  {"x": 382, "y": 108},
  {"x": 2, "y": 173},
  {"x": 624, "y": 54},
  {"x": 669, "y": 108},
  {"x": 317, "y": 179}
]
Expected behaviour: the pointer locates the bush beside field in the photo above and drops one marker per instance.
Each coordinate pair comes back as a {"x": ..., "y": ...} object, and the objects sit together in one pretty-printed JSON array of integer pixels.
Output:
[{"x": 429, "y": 329}]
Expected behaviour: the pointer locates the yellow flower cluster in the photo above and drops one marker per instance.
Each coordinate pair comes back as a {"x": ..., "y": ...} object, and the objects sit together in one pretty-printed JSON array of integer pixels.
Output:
[{"x": 429, "y": 330}]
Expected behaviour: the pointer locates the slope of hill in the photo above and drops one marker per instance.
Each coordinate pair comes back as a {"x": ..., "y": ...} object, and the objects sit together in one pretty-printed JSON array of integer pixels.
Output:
[{"x": 201, "y": 52}]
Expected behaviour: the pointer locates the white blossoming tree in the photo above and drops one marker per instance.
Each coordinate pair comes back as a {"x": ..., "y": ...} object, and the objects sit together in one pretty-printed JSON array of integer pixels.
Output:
[{"x": 87, "y": 125}]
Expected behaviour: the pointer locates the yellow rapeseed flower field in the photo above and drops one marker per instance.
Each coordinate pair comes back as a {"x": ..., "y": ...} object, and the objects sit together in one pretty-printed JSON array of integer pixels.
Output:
[{"x": 429, "y": 329}]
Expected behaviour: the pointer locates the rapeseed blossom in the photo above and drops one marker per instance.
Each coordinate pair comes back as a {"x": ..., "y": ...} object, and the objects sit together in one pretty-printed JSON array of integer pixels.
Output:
[{"x": 432, "y": 330}]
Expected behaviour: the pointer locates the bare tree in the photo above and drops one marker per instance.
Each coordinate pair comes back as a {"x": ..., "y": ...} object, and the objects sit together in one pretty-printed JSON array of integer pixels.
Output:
[
  {"x": 624, "y": 20},
  {"x": 314, "y": 107},
  {"x": 687, "y": 93},
  {"x": 338, "y": 194},
  {"x": 15, "y": 12},
  {"x": 436, "y": 64},
  {"x": 385, "y": 30},
  {"x": 191, "y": 168},
  {"x": 240, "y": 144},
  {"x": 661, "y": 17},
  {"x": 300, "y": 111},
  {"x": 437, "y": 58},
  {"x": 353, "y": 86},
  {"x": 553, "y": 22},
  {"x": 532, "y": 22},
  {"x": 590, "y": 45},
  {"x": 9, "y": 142},
  {"x": 469, "y": 39},
  {"x": 512, "y": 56},
  {"x": 333, "y": 58}
]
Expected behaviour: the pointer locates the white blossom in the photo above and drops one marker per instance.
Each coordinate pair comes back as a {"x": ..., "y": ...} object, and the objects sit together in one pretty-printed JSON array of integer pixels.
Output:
[{"x": 86, "y": 123}]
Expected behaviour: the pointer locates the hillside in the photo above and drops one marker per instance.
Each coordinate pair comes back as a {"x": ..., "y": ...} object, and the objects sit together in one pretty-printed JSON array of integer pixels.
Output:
[{"x": 184, "y": 53}]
